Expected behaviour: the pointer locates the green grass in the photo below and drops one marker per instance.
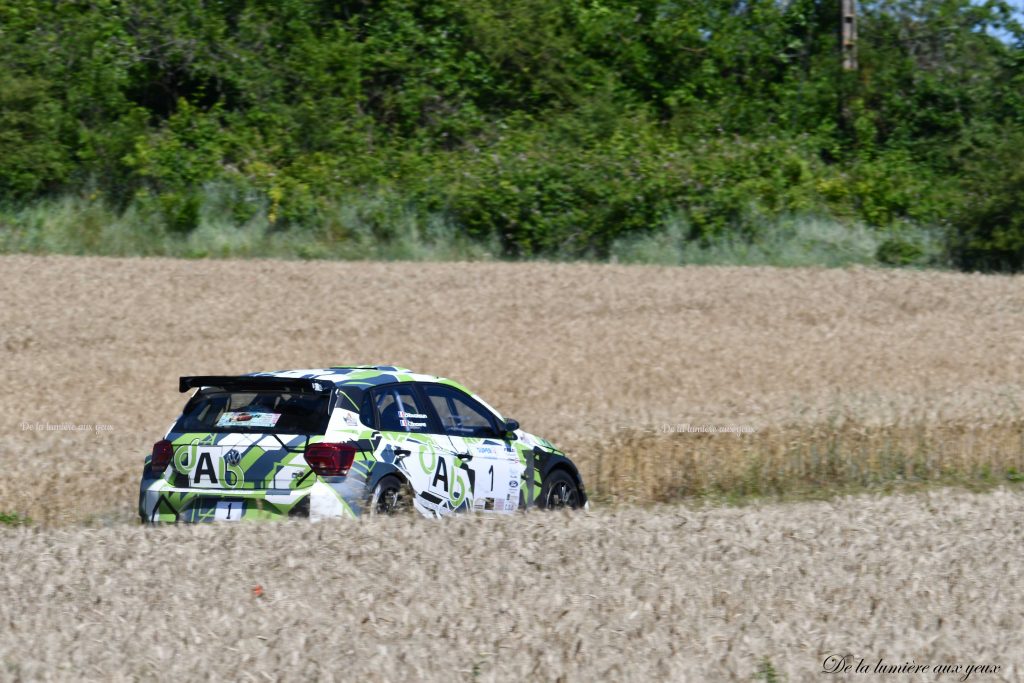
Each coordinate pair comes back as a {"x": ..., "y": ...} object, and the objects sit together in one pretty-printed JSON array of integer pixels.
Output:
[
  {"x": 767, "y": 673},
  {"x": 384, "y": 227},
  {"x": 786, "y": 241},
  {"x": 806, "y": 494},
  {"x": 13, "y": 519},
  {"x": 364, "y": 227}
]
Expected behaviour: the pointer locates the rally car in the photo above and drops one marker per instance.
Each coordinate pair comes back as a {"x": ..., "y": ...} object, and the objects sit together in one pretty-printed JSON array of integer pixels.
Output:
[{"x": 345, "y": 441}]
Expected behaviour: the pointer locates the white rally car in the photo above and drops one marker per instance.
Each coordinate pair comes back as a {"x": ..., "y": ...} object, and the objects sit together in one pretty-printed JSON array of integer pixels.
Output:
[{"x": 341, "y": 441}]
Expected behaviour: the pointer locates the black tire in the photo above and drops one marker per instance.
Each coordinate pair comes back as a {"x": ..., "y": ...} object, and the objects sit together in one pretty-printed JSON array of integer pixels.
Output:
[
  {"x": 391, "y": 496},
  {"x": 560, "y": 491}
]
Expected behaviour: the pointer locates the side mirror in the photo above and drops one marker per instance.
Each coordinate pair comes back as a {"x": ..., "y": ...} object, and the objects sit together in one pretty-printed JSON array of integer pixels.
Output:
[{"x": 508, "y": 428}]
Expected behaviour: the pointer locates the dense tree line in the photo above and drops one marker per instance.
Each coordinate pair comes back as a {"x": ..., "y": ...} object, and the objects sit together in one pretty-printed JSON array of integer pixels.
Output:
[{"x": 550, "y": 126}]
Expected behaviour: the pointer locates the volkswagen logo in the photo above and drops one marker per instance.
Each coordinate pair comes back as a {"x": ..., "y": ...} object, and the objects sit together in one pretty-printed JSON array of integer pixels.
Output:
[{"x": 233, "y": 457}]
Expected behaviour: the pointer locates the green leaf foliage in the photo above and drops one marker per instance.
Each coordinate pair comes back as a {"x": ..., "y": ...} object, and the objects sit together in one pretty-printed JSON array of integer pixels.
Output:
[{"x": 528, "y": 128}]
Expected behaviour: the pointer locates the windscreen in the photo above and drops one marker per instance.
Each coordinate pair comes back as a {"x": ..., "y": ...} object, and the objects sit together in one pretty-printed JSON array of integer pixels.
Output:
[{"x": 265, "y": 412}]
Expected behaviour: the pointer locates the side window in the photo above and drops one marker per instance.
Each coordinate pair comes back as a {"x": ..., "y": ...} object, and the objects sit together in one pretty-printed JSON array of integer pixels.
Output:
[
  {"x": 460, "y": 415},
  {"x": 398, "y": 410},
  {"x": 366, "y": 411}
]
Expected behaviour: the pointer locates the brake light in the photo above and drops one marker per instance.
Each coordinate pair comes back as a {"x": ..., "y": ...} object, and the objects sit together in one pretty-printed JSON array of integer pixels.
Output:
[
  {"x": 331, "y": 459},
  {"x": 162, "y": 453}
]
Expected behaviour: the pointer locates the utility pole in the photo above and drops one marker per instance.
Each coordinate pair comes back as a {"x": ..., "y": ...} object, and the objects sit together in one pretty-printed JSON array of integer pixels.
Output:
[{"x": 849, "y": 34}]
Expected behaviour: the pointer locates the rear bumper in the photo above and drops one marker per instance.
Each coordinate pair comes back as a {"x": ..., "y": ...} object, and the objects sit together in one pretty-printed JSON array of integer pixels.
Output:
[{"x": 159, "y": 502}]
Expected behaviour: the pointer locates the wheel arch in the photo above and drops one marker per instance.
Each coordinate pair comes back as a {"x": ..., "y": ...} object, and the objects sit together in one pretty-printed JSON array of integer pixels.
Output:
[
  {"x": 381, "y": 470},
  {"x": 561, "y": 463}
]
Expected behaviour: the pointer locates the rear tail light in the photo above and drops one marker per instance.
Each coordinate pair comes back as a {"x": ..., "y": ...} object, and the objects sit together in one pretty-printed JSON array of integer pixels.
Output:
[
  {"x": 162, "y": 453},
  {"x": 330, "y": 459}
]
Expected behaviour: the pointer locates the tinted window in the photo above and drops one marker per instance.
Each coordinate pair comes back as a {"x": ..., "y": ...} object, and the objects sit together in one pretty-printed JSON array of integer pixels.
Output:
[
  {"x": 366, "y": 411},
  {"x": 267, "y": 412},
  {"x": 460, "y": 415},
  {"x": 399, "y": 410}
]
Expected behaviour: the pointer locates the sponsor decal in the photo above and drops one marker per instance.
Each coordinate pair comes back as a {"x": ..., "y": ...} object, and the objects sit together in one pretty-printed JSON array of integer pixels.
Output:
[
  {"x": 209, "y": 466},
  {"x": 459, "y": 497},
  {"x": 428, "y": 469},
  {"x": 440, "y": 475},
  {"x": 412, "y": 420},
  {"x": 247, "y": 419},
  {"x": 204, "y": 469}
]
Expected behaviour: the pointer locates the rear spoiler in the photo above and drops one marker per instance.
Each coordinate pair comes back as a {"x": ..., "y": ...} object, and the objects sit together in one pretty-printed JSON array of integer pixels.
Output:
[{"x": 255, "y": 383}]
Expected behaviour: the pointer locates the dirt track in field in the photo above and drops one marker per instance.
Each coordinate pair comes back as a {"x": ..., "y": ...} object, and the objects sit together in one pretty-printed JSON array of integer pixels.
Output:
[
  {"x": 607, "y": 361},
  {"x": 670, "y": 594}
]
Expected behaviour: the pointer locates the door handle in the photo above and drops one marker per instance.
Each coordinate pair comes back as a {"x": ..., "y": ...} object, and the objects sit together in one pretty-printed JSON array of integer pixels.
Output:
[
  {"x": 402, "y": 451},
  {"x": 464, "y": 456}
]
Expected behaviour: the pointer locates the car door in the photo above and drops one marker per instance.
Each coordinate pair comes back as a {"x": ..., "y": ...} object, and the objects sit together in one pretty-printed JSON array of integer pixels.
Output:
[
  {"x": 410, "y": 441},
  {"x": 493, "y": 462}
]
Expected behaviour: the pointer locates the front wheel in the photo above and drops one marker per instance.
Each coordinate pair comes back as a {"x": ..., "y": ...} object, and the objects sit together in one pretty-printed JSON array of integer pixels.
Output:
[
  {"x": 560, "y": 491},
  {"x": 391, "y": 496}
]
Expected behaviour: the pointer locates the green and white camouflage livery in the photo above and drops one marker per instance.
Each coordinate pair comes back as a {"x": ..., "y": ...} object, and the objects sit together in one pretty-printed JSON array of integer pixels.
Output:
[{"x": 449, "y": 449}]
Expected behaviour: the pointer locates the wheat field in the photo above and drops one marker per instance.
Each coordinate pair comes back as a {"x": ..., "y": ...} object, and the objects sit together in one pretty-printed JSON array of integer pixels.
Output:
[
  {"x": 662, "y": 383},
  {"x": 667, "y": 594},
  {"x": 825, "y": 377}
]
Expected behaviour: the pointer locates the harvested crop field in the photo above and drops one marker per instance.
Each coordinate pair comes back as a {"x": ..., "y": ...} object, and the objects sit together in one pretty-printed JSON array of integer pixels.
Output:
[
  {"x": 627, "y": 594},
  {"x": 826, "y": 377}
]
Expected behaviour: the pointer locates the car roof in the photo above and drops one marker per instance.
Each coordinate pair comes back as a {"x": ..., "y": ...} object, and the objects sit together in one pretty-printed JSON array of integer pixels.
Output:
[
  {"x": 362, "y": 377},
  {"x": 358, "y": 375}
]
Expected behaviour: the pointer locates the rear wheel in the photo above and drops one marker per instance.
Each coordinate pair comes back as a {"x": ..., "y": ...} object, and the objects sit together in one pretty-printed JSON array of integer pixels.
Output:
[
  {"x": 391, "y": 496},
  {"x": 560, "y": 491}
]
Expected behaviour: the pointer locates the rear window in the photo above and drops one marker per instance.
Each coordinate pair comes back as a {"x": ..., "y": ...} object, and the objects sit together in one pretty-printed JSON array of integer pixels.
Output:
[{"x": 265, "y": 412}]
